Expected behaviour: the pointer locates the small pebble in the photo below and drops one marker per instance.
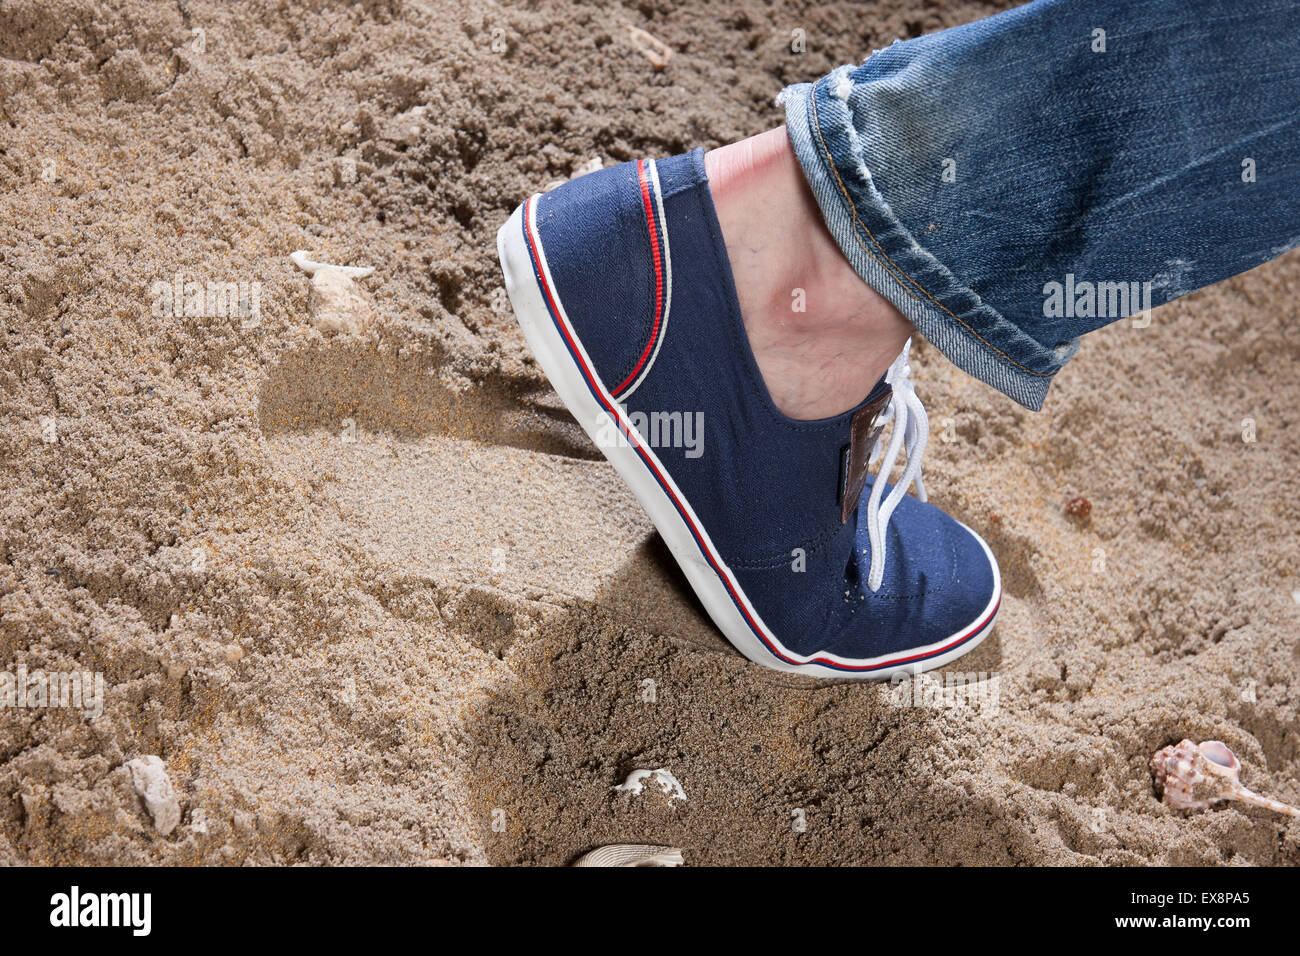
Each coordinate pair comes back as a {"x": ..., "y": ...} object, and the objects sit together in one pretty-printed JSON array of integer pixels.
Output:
[{"x": 1079, "y": 508}]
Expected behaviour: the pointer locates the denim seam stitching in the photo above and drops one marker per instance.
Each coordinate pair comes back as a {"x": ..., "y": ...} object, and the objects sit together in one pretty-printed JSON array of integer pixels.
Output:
[
  {"x": 853, "y": 211},
  {"x": 812, "y": 98}
]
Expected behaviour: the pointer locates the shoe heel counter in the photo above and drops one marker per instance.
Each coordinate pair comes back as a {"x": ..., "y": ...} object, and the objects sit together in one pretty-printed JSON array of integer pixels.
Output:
[{"x": 603, "y": 239}]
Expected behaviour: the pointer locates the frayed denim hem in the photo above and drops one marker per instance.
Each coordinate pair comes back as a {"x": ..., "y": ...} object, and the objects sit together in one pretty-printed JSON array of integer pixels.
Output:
[{"x": 970, "y": 333}]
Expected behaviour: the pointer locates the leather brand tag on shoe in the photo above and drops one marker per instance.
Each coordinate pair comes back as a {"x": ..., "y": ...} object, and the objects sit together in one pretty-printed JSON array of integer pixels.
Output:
[{"x": 864, "y": 431}]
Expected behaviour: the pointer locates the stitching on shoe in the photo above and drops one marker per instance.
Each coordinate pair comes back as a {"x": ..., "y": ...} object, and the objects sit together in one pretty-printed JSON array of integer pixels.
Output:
[
  {"x": 811, "y": 546},
  {"x": 816, "y": 545},
  {"x": 784, "y": 559},
  {"x": 652, "y": 203},
  {"x": 642, "y": 323}
]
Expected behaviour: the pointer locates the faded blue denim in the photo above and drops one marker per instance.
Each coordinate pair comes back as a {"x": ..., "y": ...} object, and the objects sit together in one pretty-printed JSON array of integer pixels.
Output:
[{"x": 986, "y": 177}]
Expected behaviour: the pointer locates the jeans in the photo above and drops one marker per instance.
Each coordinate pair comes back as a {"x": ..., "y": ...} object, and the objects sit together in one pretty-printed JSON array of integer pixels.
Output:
[{"x": 1016, "y": 182}]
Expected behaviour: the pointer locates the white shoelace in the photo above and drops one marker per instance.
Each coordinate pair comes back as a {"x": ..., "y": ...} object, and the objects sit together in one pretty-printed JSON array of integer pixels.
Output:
[{"x": 911, "y": 429}]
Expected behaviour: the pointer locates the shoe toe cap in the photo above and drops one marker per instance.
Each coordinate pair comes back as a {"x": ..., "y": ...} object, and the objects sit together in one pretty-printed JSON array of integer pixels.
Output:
[{"x": 941, "y": 586}]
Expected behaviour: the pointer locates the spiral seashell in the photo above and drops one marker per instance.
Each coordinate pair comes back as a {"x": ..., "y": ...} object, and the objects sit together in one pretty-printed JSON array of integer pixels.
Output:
[{"x": 1196, "y": 776}]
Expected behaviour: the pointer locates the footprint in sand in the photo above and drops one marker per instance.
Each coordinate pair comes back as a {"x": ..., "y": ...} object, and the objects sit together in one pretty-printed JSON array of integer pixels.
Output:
[{"x": 442, "y": 481}]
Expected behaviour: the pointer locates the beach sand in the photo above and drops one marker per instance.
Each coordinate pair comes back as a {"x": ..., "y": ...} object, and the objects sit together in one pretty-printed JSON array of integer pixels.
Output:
[{"x": 374, "y": 598}]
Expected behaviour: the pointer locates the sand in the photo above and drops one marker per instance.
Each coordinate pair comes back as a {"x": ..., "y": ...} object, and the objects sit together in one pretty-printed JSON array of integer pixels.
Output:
[{"x": 372, "y": 597}]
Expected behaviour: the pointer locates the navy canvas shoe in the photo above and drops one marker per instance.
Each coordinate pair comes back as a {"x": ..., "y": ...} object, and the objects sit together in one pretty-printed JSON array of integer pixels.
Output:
[{"x": 621, "y": 282}]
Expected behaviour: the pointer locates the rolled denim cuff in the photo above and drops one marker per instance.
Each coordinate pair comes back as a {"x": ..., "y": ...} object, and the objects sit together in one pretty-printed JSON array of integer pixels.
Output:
[{"x": 973, "y": 334}]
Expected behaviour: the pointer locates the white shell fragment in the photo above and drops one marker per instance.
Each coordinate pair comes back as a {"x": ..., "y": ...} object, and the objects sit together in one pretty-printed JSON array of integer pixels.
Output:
[
  {"x": 1196, "y": 776},
  {"x": 649, "y": 46},
  {"x": 592, "y": 165},
  {"x": 149, "y": 777},
  {"x": 595, "y": 164},
  {"x": 632, "y": 854},
  {"x": 669, "y": 784},
  {"x": 311, "y": 266},
  {"x": 334, "y": 304}
]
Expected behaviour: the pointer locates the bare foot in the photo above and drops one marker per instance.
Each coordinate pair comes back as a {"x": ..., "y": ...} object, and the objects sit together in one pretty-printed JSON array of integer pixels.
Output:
[{"x": 823, "y": 360}]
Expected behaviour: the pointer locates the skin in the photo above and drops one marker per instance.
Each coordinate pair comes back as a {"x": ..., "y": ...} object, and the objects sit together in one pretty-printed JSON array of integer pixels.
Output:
[{"x": 822, "y": 361}]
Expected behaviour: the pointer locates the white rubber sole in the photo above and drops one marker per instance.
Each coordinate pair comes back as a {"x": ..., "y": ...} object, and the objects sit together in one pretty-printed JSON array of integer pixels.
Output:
[{"x": 713, "y": 582}]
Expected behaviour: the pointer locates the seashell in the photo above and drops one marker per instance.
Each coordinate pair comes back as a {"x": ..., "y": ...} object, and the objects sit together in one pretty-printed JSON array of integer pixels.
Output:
[
  {"x": 634, "y": 783},
  {"x": 579, "y": 169},
  {"x": 1195, "y": 776},
  {"x": 650, "y": 46},
  {"x": 333, "y": 302},
  {"x": 631, "y": 854},
  {"x": 311, "y": 266}
]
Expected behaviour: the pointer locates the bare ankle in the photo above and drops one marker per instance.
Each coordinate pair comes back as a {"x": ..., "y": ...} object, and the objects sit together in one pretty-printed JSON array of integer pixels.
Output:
[{"x": 821, "y": 336}]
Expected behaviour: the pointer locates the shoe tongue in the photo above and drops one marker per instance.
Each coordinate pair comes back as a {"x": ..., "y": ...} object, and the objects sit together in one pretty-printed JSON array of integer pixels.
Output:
[{"x": 864, "y": 431}]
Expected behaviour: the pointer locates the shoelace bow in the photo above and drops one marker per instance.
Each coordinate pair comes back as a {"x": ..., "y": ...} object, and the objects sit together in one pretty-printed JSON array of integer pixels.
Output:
[{"x": 911, "y": 431}]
